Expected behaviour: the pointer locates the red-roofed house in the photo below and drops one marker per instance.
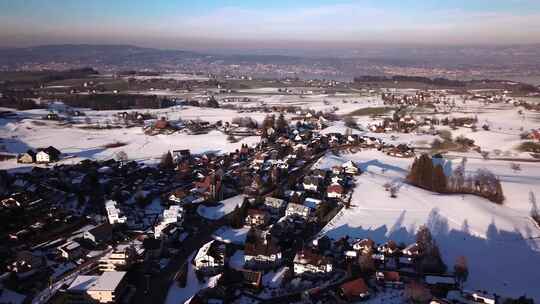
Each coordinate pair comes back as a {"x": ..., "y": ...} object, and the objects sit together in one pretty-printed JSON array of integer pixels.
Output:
[{"x": 335, "y": 191}]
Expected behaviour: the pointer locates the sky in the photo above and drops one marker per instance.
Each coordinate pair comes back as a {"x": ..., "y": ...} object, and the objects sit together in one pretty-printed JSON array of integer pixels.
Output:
[{"x": 204, "y": 24}]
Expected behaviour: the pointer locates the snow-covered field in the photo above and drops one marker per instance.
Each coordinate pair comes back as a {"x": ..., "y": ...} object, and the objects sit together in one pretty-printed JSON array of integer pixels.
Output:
[
  {"x": 501, "y": 243},
  {"x": 76, "y": 143}
]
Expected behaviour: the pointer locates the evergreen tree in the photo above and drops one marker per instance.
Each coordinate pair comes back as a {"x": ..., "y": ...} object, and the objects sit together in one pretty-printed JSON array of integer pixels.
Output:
[
  {"x": 167, "y": 162},
  {"x": 421, "y": 173},
  {"x": 281, "y": 124},
  {"x": 439, "y": 179}
]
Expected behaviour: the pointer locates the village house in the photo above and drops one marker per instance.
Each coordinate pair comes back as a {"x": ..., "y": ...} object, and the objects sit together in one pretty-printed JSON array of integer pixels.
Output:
[
  {"x": 350, "y": 168},
  {"x": 262, "y": 253},
  {"x": 181, "y": 155},
  {"x": 210, "y": 258},
  {"x": 363, "y": 245},
  {"x": 298, "y": 210},
  {"x": 106, "y": 288},
  {"x": 52, "y": 116},
  {"x": 27, "y": 158},
  {"x": 256, "y": 217},
  {"x": 174, "y": 215},
  {"x": 177, "y": 195},
  {"x": 47, "y": 155},
  {"x": 388, "y": 248},
  {"x": 274, "y": 206},
  {"x": 307, "y": 262},
  {"x": 114, "y": 214},
  {"x": 413, "y": 250},
  {"x": 121, "y": 258},
  {"x": 311, "y": 183},
  {"x": 335, "y": 191}
]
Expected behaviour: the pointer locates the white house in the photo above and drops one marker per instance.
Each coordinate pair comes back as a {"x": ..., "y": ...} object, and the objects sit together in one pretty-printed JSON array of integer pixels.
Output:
[
  {"x": 120, "y": 258},
  {"x": 172, "y": 216},
  {"x": 114, "y": 214},
  {"x": 262, "y": 254},
  {"x": 298, "y": 210},
  {"x": 311, "y": 183},
  {"x": 47, "y": 155},
  {"x": 350, "y": 168},
  {"x": 106, "y": 288},
  {"x": 363, "y": 245},
  {"x": 210, "y": 258},
  {"x": 274, "y": 205},
  {"x": 306, "y": 262}
]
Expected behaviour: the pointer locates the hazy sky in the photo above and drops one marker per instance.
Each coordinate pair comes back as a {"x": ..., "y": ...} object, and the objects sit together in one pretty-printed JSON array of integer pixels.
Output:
[{"x": 271, "y": 23}]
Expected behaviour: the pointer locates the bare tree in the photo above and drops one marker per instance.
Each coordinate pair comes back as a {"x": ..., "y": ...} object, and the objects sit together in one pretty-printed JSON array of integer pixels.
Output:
[
  {"x": 535, "y": 214},
  {"x": 485, "y": 155},
  {"x": 394, "y": 189},
  {"x": 121, "y": 156}
]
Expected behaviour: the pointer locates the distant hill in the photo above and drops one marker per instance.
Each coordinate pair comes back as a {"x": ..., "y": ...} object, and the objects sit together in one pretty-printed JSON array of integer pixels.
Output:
[
  {"x": 472, "y": 62},
  {"x": 88, "y": 55}
]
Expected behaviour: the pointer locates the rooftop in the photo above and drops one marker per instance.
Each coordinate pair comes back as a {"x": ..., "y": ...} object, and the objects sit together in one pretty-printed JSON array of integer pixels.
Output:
[{"x": 108, "y": 281}]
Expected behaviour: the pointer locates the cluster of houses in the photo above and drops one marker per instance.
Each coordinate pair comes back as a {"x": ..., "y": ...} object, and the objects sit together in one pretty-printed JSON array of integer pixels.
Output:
[
  {"x": 278, "y": 225},
  {"x": 40, "y": 156},
  {"x": 96, "y": 219},
  {"x": 323, "y": 271},
  {"x": 418, "y": 98}
]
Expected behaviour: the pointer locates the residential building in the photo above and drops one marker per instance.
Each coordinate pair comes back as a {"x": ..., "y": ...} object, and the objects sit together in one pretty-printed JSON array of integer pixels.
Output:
[
  {"x": 210, "y": 258},
  {"x": 311, "y": 263},
  {"x": 106, "y": 288},
  {"x": 256, "y": 217},
  {"x": 47, "y": 155}
]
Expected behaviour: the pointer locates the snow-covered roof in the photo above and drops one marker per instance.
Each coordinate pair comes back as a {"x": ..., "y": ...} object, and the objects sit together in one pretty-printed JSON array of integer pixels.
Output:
[{"x": 108, "y": 281}]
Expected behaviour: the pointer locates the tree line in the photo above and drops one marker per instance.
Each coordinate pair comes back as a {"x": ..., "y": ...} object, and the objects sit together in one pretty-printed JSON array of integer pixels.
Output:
[{"x": 428, "y": 173}]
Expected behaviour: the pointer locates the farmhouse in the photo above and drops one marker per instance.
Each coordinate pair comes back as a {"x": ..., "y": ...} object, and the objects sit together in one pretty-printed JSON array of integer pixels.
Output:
[
  {"x": 27, "y": 158},
  {"x": 47, "y": 155}
]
